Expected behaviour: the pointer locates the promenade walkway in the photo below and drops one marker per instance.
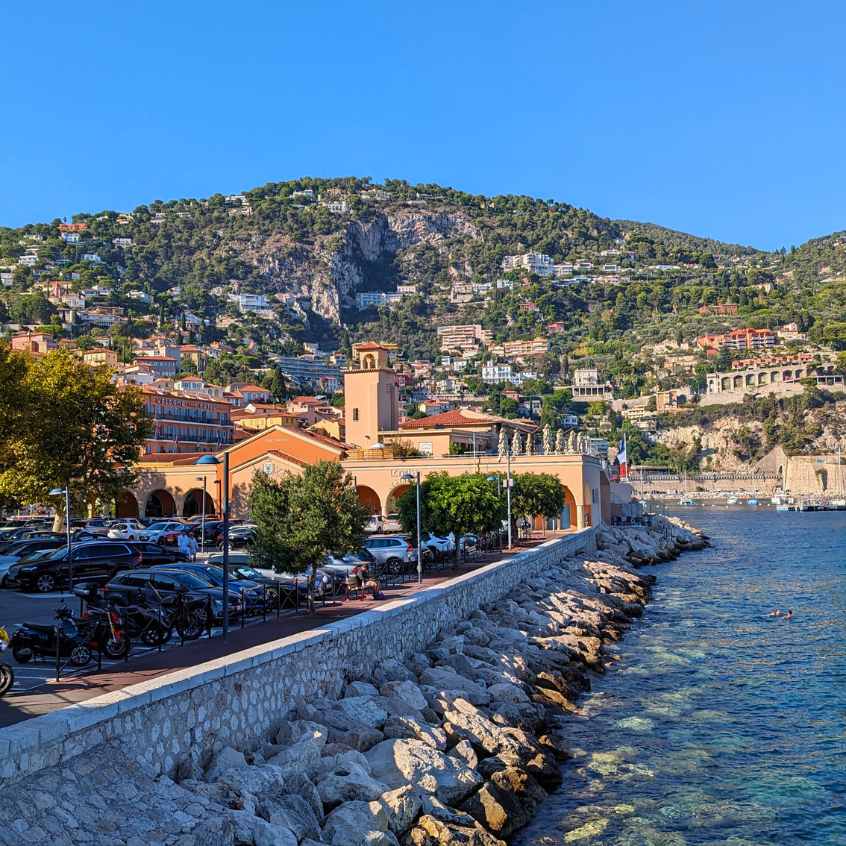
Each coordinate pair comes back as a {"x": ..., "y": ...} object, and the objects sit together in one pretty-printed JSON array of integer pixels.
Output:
[{"x": 50, "y": 695}]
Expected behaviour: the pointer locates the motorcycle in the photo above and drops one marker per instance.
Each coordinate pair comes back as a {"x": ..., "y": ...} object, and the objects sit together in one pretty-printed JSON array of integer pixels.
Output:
[
  {"x": 108, "y": 631},
  {"x": 74, "y": 639},
  {"x": 7, "y": 674}
]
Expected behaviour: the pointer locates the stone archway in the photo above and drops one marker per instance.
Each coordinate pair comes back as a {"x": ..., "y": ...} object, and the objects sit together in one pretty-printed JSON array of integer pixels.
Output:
[
  {"x": 193, "y": 503},
  {"x": 568, "y": 513},
  {"x": 394, "y": 495},
  {"x": 822, "y": 479},
  {"x": 369, "y": 499},
  {"x": 160, "y": 503},
  {"x": 126, "y": 505}
]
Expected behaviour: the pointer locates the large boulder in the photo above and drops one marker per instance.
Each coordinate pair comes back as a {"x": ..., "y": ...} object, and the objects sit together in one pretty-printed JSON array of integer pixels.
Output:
[
  {"x": 443, "y": 678},
  {"x": 402, "y": 807},
  {"x": 505, "y": 692},
  {"x": 252, "y": 829},
  {"x": 506, "y": 803},
  {"x": 291, "y": 812},
  {"x": 410, "y": 727},
  {"x": 360, "y": 688},
  {"x": 465, "y": 722},
  {"x": 401, "y": 762},
  {"x": 404, "y": 692},
  {"x": 226, "y": 759},
  {"x": 348, "y": 782},
  {"x": 366, "y": 710},
  {"x": 346, "y": 825},
  {"x": 430, "y": 831}
]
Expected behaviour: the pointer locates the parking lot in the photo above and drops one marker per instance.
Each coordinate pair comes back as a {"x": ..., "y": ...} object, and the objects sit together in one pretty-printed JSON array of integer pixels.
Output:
[{"x": 36, "y": 690}]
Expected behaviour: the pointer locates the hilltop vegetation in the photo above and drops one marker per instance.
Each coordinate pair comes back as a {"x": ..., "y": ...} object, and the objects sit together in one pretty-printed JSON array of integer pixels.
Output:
[{"x": 310, "y": 245}]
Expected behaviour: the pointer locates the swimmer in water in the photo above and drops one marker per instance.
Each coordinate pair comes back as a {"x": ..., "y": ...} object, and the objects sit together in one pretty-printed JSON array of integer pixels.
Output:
[
  {"x": 774, "y": 613},
  {"x": 789, "y": 614}
]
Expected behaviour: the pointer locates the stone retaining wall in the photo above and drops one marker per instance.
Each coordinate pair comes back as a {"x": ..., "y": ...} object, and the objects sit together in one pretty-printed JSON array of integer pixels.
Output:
[{"x": 240, "y": 697}]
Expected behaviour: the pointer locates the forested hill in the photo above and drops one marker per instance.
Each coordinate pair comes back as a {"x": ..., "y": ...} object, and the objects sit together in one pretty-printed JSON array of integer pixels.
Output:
[{"x": 312, "y": 245}]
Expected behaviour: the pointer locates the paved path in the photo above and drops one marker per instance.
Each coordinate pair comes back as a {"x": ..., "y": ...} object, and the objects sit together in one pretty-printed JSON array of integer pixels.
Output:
[{"x": 37, "y": 692}]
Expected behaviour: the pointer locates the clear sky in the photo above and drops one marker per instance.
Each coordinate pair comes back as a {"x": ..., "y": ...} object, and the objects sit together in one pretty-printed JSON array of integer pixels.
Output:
[{"x": 724, "y": 119}]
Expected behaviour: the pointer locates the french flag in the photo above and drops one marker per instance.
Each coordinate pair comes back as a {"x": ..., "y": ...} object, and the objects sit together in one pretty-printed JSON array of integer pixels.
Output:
[{"x": 623, "y": 459}]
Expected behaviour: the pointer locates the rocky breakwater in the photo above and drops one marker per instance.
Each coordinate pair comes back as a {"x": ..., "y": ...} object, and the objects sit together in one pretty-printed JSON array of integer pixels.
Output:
[{"x": 458, "y": 744}]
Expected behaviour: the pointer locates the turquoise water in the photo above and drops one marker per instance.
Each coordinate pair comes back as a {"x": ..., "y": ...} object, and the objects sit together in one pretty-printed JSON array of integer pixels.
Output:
[{"x": 718, "y": 724}]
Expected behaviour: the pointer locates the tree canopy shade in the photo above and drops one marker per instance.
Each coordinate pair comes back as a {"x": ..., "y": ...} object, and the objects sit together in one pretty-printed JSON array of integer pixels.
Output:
[
  {"x": 536, "y": 494},
  {"x": 299, "y": 519},
  {"x": 458, "y": 504},
  {"x": 65, "y": 423}
]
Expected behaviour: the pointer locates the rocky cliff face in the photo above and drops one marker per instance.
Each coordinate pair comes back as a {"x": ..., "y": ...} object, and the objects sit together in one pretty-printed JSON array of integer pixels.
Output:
[{"x": 324, "y": 275}]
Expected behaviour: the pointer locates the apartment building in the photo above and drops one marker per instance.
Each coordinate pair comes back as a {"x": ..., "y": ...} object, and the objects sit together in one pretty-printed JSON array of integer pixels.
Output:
[
  {"x": 183, "y": 422},
  {"x": 739, "y": 339},
  {"x": 522, "y": 349},
  {"x": 463, "y": 337},
  {"x": 250, "y": 302},
  {"x": 539, "y": 264},
  {"x": 588, "y": 386}
]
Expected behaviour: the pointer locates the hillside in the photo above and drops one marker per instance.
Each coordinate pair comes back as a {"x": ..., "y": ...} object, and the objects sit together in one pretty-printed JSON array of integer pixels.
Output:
[{"x": 312, "y": 245}]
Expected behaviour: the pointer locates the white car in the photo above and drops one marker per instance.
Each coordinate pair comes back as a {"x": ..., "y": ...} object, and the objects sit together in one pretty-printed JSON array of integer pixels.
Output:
[
  {"x": 439, "y": 544},
  {"x": 127, "y": 530},
  {"x": 164, "y": 528}
]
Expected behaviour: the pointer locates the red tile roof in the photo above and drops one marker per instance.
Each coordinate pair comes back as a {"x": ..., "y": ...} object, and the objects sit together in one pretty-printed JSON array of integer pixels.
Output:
[{"x": 456, "y": 417}]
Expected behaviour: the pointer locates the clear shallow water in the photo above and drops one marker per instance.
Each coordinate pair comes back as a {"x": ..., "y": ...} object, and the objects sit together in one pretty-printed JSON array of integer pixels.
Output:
[{"x": 718, "y": 724}]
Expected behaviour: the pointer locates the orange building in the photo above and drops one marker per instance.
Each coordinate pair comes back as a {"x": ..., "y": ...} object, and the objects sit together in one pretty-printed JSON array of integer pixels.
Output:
[{"x": 172, "y": 484}]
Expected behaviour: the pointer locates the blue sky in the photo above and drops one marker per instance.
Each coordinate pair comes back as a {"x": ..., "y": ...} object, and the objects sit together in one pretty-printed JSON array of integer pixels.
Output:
[{"x": 721, "y": 119}]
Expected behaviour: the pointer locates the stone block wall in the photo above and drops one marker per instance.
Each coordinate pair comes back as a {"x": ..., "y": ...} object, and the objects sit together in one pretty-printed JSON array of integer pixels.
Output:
[{"x": 239, "y": 698}]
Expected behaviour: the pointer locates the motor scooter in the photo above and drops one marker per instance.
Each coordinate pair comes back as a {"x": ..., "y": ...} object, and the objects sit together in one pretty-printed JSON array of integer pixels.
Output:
[
  {"x": 7, "y": 674},
  {"x": 74, "y": 640}
]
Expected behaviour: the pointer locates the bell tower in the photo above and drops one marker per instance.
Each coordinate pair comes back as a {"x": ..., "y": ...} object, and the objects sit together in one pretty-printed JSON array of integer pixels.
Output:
[{"x": 371, "y": 396}]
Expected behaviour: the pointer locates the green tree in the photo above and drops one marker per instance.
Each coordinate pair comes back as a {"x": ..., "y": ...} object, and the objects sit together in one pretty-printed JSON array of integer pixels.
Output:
[
  {"x": 276, "y": 383},
  {"x": 458, "y": 504},
  {"x": 536, "y": 494},
  {"x": 299, "y": 519},
  {"x": 72, "y": 427}
]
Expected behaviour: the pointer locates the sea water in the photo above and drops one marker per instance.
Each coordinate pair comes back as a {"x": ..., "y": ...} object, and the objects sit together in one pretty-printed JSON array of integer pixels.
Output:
[{"x": 719, "y": 724}]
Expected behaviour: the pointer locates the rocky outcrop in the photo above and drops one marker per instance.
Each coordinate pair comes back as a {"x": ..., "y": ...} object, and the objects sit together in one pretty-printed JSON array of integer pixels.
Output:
[{"x": 455, "y": 745}]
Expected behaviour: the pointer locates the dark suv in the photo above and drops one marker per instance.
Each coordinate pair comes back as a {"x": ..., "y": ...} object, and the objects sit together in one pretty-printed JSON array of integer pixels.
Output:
[
  {"x": 91, "y": 561},
  {"x": 167, "y": 584}
]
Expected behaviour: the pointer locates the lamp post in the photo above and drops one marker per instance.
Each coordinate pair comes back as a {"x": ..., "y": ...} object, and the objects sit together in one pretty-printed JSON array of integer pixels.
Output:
[
  {"x": 203, "y": 516},
  {"x": 498, "y": 479},
  {"x": 508, "y": 487},
  {"x": 415, "y": 477},
  {"x": 66, "y": 492},
  {"x": 212, "y": 459}
]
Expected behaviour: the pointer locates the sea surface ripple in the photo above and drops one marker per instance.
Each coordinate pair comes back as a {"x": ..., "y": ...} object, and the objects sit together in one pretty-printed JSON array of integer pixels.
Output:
[{"x": 719, "y": 724}]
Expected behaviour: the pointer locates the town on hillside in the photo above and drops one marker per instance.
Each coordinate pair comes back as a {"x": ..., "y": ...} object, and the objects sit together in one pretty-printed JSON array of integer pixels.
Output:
[{"x": 239, "y": 313}]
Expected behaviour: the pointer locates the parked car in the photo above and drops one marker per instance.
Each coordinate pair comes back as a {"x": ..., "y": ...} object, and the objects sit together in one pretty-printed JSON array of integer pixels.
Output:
[
  {"x": 165, "y": 531},
  {"x": 252, "y": 596},
  {"x": 26, "y": 549},
  {"x": 392, "y": 523},
  {"x": 167, "y": 584},
  {"x": 392, "y": 551},
  {"x": 99, "y": 525},
  {"x": 374, "y": 523},
  {"x": 441, "y": 546},
  {"x": 91, "y": 561},
  {"x": 127, "y": 530},
  {"x": 240, "y": 537},
  {"x": 341, "y": 567},
  {"x": 29, "y": 535},
  {"x": 154, "y": 553}
]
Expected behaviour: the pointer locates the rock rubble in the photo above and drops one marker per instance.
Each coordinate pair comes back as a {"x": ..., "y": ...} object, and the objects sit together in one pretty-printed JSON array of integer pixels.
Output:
[{"x": 455, "y": 745}]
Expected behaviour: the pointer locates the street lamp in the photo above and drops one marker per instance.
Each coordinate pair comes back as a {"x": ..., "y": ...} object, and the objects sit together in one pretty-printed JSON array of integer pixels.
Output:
[
  {"x": 212, "y": 459},
  {"x": 415, "y": 477},
  {"x": 498, "y": 479},
  {"x": 203, "y": 516},
  {"x": 65, "y": 491}
]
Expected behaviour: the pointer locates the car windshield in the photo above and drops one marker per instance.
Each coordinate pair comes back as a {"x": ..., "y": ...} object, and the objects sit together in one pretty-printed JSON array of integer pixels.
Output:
[
  {"x": 188, "y": 579},
  {"x": 55, "y": 554},
  {"x": 248, "y": 572}
]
